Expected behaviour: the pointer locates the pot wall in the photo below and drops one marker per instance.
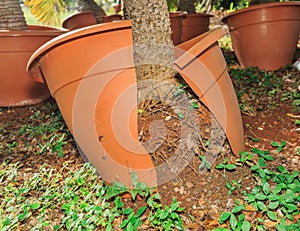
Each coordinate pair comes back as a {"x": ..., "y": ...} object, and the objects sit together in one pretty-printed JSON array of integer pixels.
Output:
[
  {"x": 79, "y": 20},
  {"x": 84, "y": 19},
  {"x": 194, "y": 24},
  {"x": 94, "y": 85},
  {"x": 16, "y": 47},
  {"x": 112, "y": 17},
  {"x": 265, "y": 35},
  {"x": 176, "y": 19},
  {"x": 213, "y": 85},
  {"x": 86, "y": 77}
]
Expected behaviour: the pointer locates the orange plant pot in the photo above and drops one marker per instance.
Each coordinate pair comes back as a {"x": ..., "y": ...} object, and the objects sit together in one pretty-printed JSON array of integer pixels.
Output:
[
  {"x": 86, "y": 79},
  {"x": 112, "y": 17},
  {"x": 91, "y": 74},
  {"x": 195, "y": 24},
  {"x": 213, "y": 86},
  {"x": 87, "y": 18},
  {"x": 16, "y": 47},
  {"x": 79, "y": 20},
  {"x": 176, "y": 19},
  {"x": 265, "y": 35}
]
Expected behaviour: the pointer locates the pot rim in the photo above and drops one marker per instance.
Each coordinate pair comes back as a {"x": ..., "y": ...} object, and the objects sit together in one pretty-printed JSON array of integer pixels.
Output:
[
  {"x": 199, "y": 15},
  {"x": 32, "y": 32},
  {"x": 184, "y": 14},
  {"x": 259, "y": 7},
  {"x": 76, "y": 34},
  {"x": 78, "y": 14}
]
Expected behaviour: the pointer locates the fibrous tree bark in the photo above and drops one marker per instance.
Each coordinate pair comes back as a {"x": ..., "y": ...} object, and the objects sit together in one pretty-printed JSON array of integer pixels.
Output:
[
  {"x": 11, "y": 15},
  {"x": 154, "y": 57},
  {"x": 91, "y": 5}
]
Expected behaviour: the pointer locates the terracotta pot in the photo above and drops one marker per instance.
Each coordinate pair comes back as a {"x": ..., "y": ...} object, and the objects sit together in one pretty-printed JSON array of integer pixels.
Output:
[
  {"x": 213, "y": 86},
  {"x": 265, "y": 35},
  {"x": 194, "y": 24},
  {"x": 73, "y": 68},
  {"x": 16, "y": 47},
  {"x": 79, "y": 20},
  {"x": 112, "y": 17},
  {"x": 176, "y": 19},
  {"x": 83, "y": 19},
  {"x": 94, "y": 85}
]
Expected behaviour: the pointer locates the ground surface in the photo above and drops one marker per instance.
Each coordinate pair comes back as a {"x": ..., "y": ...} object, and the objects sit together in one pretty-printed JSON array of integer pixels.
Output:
[{"x": 266, "y": 118}]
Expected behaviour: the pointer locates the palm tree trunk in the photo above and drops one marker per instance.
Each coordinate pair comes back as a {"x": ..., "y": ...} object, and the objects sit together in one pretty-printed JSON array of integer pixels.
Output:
[
  {"x": 153, "y": 57},
  {"x": 90, "y": 5},
  {"x": 11, "y": 15},
  {"x": 151, "y": 29}
]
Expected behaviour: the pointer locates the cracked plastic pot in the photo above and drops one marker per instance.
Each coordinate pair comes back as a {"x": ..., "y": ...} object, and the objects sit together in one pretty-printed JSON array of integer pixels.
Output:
[{"x": 91, "y": 74}]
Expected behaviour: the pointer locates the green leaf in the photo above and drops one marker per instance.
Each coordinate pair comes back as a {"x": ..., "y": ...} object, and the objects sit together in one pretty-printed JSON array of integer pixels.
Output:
[
  {"x": 261, "y": 173},
  {"x": 233, "y": 221},
  {"x": 274, "y": 144},
  {"x": 195, "y": 105},
  {"x": 266, "y": 188},
  {"x": 224, "y": 217},
  {"x": 174, "y": 206},
  {"x": 180, "y": 115},
  {"x": 254, "y": 167},
  {"x": 238, "y": 208},
  {"x": 128, "y": 211},
  {"x": 129, "y": 227},
  {"x": 296, "y": 102},
  {"x": 273, "y": 205},
  {"x": 137, "y": 224},
  {"x": 291, "y": 207},
  {"x": 241, "y": 217},
  {"x": 280, "y": 227},
  {"x": 281, "y": 169},
  {"x": 230, "y": 166},
  {"x": 134, "y": 193},
  {"x": 164, "y": 214},
  {"x": 220, "y": 166},
  {"x": 272, "y": 215},
  {"x": 246, "y": 226},
  {"x": 273, "y": 197},
  {"x": 109, "y": 227},
  {"x": 141, "y": 210},
  {"x": 269, "y": 158},
  {"x": 35, "y": 205},
  {"x": 255, "y": 139},
  {"x": 260, "y": 196},
  {"x": 261, "y": 162},
  {"x": 261, "y": 206},
  {"x": 228, "y": 186}
]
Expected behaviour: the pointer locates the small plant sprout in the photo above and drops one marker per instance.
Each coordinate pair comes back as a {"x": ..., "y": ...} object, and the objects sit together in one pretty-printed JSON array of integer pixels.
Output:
[
  {"x": 204, "y": 163},
  {"x": 226, "y": 165},
  {"x": 279, "y": 146},
  {"x": 233, "y": 185}
]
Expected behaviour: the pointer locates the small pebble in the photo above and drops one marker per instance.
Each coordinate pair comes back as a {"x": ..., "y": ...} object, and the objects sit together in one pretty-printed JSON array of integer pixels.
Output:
[
  {"x": 168, "y": 118},
  {"x": 260, "y": 128},
  {"x": 181, "y": 190},
  {"x": 189, "y": 184},
  {"x": 295, "y": 160}
]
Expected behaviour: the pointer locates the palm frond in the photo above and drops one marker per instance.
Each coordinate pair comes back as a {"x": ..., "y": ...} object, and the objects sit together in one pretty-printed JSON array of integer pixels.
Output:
[{"x": 47, "y": 11}]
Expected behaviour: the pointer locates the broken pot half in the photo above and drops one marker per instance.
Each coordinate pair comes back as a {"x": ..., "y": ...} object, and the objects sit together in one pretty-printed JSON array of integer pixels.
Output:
[{"x": 91, "y": 74}]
